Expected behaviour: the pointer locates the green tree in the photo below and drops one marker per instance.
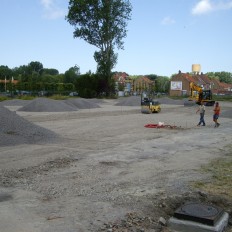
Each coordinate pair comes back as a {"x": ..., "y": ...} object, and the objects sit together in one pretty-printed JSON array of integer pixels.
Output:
[
  {"x": 162, "y": 84},
  {"x": 5, "y": 71},
  {"x": 101, "y": 23},
  {"x": 152, "y": 77},
  {"x": 71, "y": 75},
  {"x": 50, "y": 71},
  {"x": 211, "y": 75},
  {"x": 36, "y": 66},
  {"x": 224, "y": 77}
]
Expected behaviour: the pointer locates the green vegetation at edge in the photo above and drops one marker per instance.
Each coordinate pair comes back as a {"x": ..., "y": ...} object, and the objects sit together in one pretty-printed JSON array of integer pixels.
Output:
[{"x": 220, "y": 182}]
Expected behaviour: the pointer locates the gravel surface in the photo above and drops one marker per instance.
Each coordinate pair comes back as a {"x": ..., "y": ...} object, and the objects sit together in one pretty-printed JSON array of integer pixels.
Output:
[
  {"x": 136, "y": 101},
  {"x": 102, "y": 169}
]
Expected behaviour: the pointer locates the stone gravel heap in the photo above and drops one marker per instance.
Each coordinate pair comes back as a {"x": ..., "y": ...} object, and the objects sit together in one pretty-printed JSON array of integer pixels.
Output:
[
  {"x": 136, "y": 101},
  {"x": 129, "y": 101},
  {"x": 47, "y": 105},
  {"x": 50, "y": 105},
  {"x": 82, "y": 103},
  {"x": 15, "y": 102},
  {"x": 15, "y": 130}
]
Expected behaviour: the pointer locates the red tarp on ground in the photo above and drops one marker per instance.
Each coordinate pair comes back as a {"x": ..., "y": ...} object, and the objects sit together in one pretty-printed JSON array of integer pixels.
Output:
[{"x": 159, "y": 126}]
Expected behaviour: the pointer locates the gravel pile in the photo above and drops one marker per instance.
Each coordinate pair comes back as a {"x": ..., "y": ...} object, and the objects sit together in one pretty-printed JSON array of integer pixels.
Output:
[
  {"x": 96, "y": 100},
  {"x": 47, "y": 105},
  {"x": 129, "y": 101},
  {"x": 15, "y": 102},
  {"x": 16, "y": 130},
  {"x": 136, "y": 100},
  {"x": 82, "y": 103}
]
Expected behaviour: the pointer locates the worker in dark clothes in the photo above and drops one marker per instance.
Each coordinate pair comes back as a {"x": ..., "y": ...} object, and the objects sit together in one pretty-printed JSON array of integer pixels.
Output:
[{"x": 201, "y": 109}]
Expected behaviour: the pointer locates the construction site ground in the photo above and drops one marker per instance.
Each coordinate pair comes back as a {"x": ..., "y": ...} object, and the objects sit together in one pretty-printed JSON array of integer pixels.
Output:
[{"x": 107, "y": 171}]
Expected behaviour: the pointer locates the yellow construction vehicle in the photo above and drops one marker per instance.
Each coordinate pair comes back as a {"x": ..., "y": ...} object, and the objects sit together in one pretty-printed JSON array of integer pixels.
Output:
[
  {"x": 149, "y": 106},
  {"x": 198, "y": 94}
]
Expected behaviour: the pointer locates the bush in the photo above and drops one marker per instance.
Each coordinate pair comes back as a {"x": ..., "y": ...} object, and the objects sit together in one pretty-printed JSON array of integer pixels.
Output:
[{"x": 3, "y": 98}]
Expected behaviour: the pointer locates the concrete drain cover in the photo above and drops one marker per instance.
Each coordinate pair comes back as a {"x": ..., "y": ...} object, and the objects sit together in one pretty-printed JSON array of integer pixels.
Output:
[{"x": 198, "y": 212}]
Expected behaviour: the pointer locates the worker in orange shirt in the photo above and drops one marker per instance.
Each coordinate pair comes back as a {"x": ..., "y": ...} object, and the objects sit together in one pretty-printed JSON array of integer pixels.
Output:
[{"x": 217, "y": 110}]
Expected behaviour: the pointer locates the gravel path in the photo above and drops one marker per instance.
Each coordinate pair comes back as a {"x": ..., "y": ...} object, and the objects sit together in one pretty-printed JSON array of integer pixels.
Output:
[{"x": 100, "y": 169}]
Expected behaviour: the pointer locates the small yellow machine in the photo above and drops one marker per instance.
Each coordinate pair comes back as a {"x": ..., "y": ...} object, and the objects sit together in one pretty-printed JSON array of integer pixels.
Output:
[{"x": 149, "y": 106}]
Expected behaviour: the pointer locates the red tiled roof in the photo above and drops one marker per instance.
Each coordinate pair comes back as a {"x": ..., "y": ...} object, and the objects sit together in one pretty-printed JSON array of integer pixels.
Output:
[
  {"x": 146, "y": 79},
  {"x": 188, "y": 77},
  {"x": 225, "y": 85}
]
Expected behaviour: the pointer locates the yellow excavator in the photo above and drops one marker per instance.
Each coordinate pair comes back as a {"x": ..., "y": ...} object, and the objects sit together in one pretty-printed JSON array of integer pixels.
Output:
[
  {"x": 198, "y": 94},
  {"x": 149, "y": 106}
]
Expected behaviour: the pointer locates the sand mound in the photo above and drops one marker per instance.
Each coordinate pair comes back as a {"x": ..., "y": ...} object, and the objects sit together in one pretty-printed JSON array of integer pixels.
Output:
[
  {"x": 81, "y": 103},
  {"x": 16, "y": 130},
  {"x": 47, "y": 105}
]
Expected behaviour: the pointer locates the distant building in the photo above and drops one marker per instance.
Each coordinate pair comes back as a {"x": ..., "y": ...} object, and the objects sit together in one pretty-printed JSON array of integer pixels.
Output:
[
  {"x": 123, "y": 82},
  {"x": 143, "y": 83},
  {"x": 180, "y": 84}
]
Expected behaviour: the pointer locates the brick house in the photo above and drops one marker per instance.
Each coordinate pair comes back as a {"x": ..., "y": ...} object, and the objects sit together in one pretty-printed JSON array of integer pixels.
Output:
[
  {"x": 122, "y": 82},
  {"x": 132, "y": 85},
  {"x": 143, "y": 83},
  {"x": 180, "y": 83}
]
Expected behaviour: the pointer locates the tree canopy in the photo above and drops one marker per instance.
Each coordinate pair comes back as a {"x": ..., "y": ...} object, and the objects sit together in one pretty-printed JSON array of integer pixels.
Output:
[{"x": 101, "y": 23}]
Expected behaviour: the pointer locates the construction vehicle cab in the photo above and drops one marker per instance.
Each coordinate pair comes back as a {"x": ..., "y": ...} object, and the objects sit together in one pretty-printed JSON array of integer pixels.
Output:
[
  {"x": 198, "y": 94},
  {"x": 149, "y": 106}
]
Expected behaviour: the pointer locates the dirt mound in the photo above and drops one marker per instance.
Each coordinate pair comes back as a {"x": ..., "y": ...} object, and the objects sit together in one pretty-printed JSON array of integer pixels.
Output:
[
  {"x": 16, "y": 130},
  {"x": 81, "y": 103},
  {"x": 47, "y": 105}
]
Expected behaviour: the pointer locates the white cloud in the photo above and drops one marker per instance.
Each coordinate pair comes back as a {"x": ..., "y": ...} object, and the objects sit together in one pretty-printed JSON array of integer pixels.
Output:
[
  {"x": 168, "y": 21},
  {"x": 225, "y": 6},
  {"x": 207, "y": 6},
  {"x": 52, "y": 9},
  {"x": 202, "y": 7},
  {"x": 46, "y": 3}
]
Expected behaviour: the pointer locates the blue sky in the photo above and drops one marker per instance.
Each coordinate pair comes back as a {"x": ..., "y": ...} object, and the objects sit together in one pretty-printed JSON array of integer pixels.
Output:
[{"x": 164, "y": 36}]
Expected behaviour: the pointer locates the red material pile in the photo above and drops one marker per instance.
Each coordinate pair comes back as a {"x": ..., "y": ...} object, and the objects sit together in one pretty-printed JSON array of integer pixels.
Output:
[{"x": 159, "y": 126}]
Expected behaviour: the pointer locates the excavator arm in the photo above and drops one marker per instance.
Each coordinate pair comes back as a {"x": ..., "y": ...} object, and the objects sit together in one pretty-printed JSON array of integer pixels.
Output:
[
  {"x": 204, "y": 96},
  {"x": 194, "y": 87}
]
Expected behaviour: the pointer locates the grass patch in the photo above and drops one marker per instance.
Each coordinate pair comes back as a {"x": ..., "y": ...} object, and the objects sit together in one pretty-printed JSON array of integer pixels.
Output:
[
  {"x": 221, "y": 177},
  {"x": 26, "y": 97},
  {"x": 222, "y": 98},
  {"x": 3, "y": 98}
]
